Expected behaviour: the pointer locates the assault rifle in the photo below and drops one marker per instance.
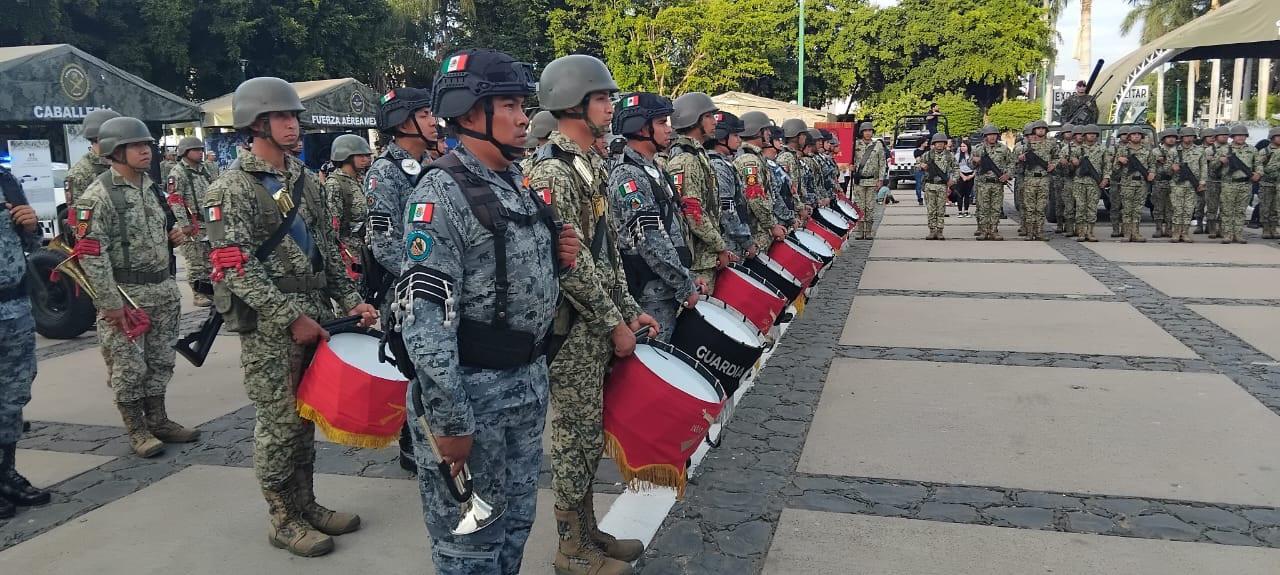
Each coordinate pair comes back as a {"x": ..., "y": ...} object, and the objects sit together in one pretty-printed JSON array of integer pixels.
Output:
[
  {"x": 1184, "y": 172},
  {"x": 1136, "y": 165},
  {"x": 989, "y": 165},
  {"x": 1034, "y": 159},
  {"x": 1086, "y": 168},
  {"x": 1236, "y": 164}
]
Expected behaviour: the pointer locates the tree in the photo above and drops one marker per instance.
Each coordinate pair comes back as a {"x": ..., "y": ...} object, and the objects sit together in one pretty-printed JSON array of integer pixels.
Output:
[
  {"x": 1014, "y": 114},
  {"x": 1155, "y": 18},
  {"x": 888, "y": 111},
  {"x": 963, "y": 116}
]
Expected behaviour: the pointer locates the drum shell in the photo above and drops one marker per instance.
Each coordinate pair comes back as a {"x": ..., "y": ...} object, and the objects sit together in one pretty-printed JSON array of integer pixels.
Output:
[
  {"x": 786, "y": 286},
  {"x": 833, "y": 239},
  {"x": 848, "y": 210},
  {"x": 795, "y": 259},
  {"x": 824, "y": 258},
  {"x": 833, "y": 221},
  {"x": 726, "y": 358},
  {"x": 350, "y": 406},
  {"x": 761, "y": 308}
]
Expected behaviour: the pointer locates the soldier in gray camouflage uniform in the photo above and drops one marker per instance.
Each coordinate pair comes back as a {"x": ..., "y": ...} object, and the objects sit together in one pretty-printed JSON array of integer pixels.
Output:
[
  {"x": 19, "y": 233},
  {"x": 794, "y": 132},
  {"x": 816, "y": 194},
  {"x": 779, "y": 182},
  {"x": 734, "y": 219},
  {"x": 186, "y": 185},
  {"x": 695, "y": 184},
  {"x": 91, "y": 164},
  {"x": 277, "y": 305},
  {"x": 651, "y": 235}
]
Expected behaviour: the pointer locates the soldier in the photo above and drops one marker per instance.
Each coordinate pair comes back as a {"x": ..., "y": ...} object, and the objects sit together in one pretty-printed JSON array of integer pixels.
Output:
[
  {"x": 1018, "y": 180},
  {"x": 211, "y": 164},
  {"x": 275, "y": 296},
  {"x": 939, "y": 168},
  {"x": 598, "y": 318},
  {"x": 815, "y": 191},
  {"x": 1205, "y": 145},
  {"x": 185, "y": 185},
  {"x": 694, "y": 121},
  {"x": 1038, "y": 164},
  {"x": 170, "y": 160},
  {"x": 780, "y": 183},
  {"x": 1160, "y": 190},
  {"x": 758, "y": 181},
  {"x": 868, "y": 171},
  {"x": 993, "y": 163},
  {"x": 91, "y": 164},
  {"x": 1268, "y": 164},
  {"x": 123, "y": 244},
  {"x": 1239, "y": 170},
  {"x": 1213, "y": 187},
  {"x": 651, "y": 235},
  {"x": 1080, "y": 108},
  {"x": 1059, "y": 189},
  {"x": 344, "y": 194},
  {"x": 827, "y": 167},
  {"x": 540, "y": 128},
  {"x": 794, "y": 133},
  {"x": 1129, "y": 160},
  {"x": 1188, "y": 167},
  {"x": 477, "y": 291},
  {"x": 19, "y": 233},
  {"x": 735, "y": 222}
]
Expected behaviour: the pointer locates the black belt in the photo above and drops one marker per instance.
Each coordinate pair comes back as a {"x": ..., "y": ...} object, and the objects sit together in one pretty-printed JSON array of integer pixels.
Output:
[
  {"x": 990, "y": 178},
  {"x": 1037, "y": 174},
  {"x": 1138, "y": 178},
  {"x": 1241, "y": 180},
  {"x": 936, "y": 181},
  {"x": 14, "y": 292},
  {"x": 132, "y": 277}
]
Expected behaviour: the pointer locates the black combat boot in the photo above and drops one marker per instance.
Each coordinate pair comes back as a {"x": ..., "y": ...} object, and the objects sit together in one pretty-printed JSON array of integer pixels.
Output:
[
  {"x": 15, "y": 488},
  {"x": 407, "y": 462}
]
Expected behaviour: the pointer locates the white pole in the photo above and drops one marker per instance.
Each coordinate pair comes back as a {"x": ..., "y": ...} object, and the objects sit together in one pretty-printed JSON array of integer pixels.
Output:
[
  {"x": 1193, "y": 73},
  {"x": 1237, "y": 89},
  {"x": 1160, "y": 98},
  {"x": 1215, "y": 80},
  {"x": 1264, "y": 86}
]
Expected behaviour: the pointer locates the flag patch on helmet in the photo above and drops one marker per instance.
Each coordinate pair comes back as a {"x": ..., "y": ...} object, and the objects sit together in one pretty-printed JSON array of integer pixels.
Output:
[
  {"x": 631, "y": 101},
  {"x": 421, "y": 213},
  {"x": 456, "y": 63},
  {"x": 389, "y": 96}
]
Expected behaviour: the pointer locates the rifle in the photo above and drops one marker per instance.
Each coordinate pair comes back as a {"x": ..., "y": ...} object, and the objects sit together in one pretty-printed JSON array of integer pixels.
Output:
[
  {"x": 1034, "y": 159},
  {"x": 13, "y": 194},
  {"x": 1236, "y": 163},
  {"x": 1184, "y": 172},
  {"x": 989, "y": 165},
  {"x": 1086, "y": 168},
  {"x": 1136, "y": 165},
  {"x": 934, "y": 170},
  {"x": 862, "y": 162},
  {"x": 170, "y": 222}
]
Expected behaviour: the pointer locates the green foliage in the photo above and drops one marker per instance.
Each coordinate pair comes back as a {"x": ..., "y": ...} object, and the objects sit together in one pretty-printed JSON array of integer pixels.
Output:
[
  {"x": 1014, "y": 114},
  {"x": 963, "y": 116},
  {"x": 1250, "y": 110},
  {"x": 887, "y": 112}
]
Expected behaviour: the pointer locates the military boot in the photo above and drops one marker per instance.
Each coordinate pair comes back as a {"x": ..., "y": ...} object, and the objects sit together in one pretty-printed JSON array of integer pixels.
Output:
[
  {"x": 980, "y": 232},
  {"x": 1238, "y": 238},
  {"x": 1073, "y": 230},
  {"x": 14, "y": 488},
  {"x": 1137, "y": 234},
  {"x": 326, "y": 520},
  {"x": 1268, "y": 232},
  {"x": 200, "y": 300},
  {"x": 1186, "y": 234},
  {"x": 1159, "y": 233},
  {"x": 577, "y": 554},
  {"x": 1226, "y": 237},
  {"x": 1022, "y": 230},
  {"x": 162, "y": 427},
  {"x": 1115, "y": 230},
  {"x": 140, "y": 438},
  {"x": 1215, "y": 230},
  {"x": 289, "y": 530},
  {"x": 1081, "y": 236},
  {"x": 994, "y": 234},
  {"x": 627, "y": 550}
]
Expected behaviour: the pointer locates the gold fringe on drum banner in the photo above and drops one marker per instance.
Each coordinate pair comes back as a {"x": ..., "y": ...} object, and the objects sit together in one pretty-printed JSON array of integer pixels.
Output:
[
  {"x": 647, "y": 477},
  {"x": 799, "y": 303},
  {"x": 342, "y": 437}
]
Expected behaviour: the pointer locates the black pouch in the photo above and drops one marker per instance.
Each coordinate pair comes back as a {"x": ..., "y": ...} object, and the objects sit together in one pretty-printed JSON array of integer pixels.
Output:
[
  {"x": 485, "y": 346},
  {"x": 638, "y": 273},
  {"x": 686, "y": 256}
]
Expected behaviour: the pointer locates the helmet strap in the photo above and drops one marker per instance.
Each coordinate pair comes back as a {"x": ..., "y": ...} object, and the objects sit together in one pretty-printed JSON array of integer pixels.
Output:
[
  {"x": 511, "y": 153},
  {"x": 421, "y": 134}
]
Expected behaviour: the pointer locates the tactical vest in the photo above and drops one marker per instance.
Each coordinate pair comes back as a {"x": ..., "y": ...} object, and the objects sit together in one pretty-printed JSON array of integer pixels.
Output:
[{"x": 125, "y": 274}]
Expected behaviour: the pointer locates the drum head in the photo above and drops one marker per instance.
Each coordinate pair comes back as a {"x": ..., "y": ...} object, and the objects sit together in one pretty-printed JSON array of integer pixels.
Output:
[
  {"x": 814, "y": 243},
  {"x": 677, "y": 373},
  {"x": 752, "y": 279},
  {"x": 847, "y": 210},
  {"x": 834, "y": 218},
  {"x": 777, "y": 268},
  {"x": 361, "y": 352},
  {"x": 729, "y": 323}
]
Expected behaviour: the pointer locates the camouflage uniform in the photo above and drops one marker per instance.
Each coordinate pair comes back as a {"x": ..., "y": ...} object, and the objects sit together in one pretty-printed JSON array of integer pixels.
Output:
[
  {"x": 990, "y": 190},
  {"x": 349, "y": 210},
  {"x": 390, "y": 180},
  {"x": 1132, "y": 185},
  {"x": 166, "y": 166},
  {"x": 735, "y": 226},
  {"x": 809, "y": 180},
  {"x": 596, "y": 301},
  {"x": 650, "y": 229},
  {"x": 1115, "y": 194},
  {"x": 1213, "y": 189},
  {"x": 1236, "y": 188},
  {"x": 17, "y": 329},
  {"x": 1161, "y": 212},
  {"x": 1035, "y": 187},
  {"x": 1182, "y": 196},
  {"x": 186, "y": 187},
  {"x": 241, "y": 215},
  {"x": 870, "y": 164},
  {"x": 937, "y": 182},
  {"x": 780, "y": 191},
  {"x": 789, "y": 159},
  {"x": 695, "y": 184},
  {"x": 503, "y": 410},
  {"x": 84, "y": 172},
  {"x": 1064, "y": 181},
  {"x": 1268, "y": 164},
  {"x": 757, "y": 181},
  {"x": 212, "y": 169}
]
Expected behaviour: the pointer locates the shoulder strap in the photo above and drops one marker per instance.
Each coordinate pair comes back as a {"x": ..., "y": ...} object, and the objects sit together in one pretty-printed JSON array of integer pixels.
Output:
[
  {"x": 121, "y": 205},
  {"x": 264, "y": 251}
]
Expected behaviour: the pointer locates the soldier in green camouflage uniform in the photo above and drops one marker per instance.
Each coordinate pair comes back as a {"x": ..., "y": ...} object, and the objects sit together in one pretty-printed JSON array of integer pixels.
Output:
[
  {"x": 540, "y": 128},
  {"x": 277, "y": 305},
  {"x": 1188, "y": 167},
  {"x": 1268, "y": 164},
  {"x": 211, "y": 164},
  {"x": 868, "y": 173},
  {"x": 1205, "y": 145},
  {"x": 1065, "y": 182},
  {"x": 123, "y": 243},
  {"x": 939, "y": 168},
  {"x": 1163, "y": 186},
  {"x": 1239, "y": 170},
  {"x": 1213, "y": 188},
  {"x": 344, "y": 193},
  {"x": 1036, "y": 173},
  {"x": 91, "y": 164},
  {"x": 753, "y": 170},
  {"x": 186, "y": 185},
  {"x": 1092, "y": 166},
  {"x": 695, "y": 184},
  {"x": 989, "y": 183},
  {"x": 598, "y": 317},
  {"x": 794, "y": 131},
  {"x": 1018, "y": 180},
  {"x": 1132, "y": 183}
]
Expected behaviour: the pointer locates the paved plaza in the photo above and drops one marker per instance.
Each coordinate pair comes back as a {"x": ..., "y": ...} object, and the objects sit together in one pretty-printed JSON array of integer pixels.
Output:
[{"x": 957, "y": 408}]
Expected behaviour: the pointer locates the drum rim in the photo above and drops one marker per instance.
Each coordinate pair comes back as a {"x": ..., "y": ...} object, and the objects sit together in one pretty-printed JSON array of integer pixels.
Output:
[
  {"x": 691, "y": 362},
  {"x": 776, "y": 267},
  {"x": 837, "y": 213},
  {"x": 736, "y": 315},
  {"x": 366, "y": 332},
  {"x": 799, "y": 248},
  {"x": 824, "y": 243},
  {"x": 851, "y": 217},
  {"x": 759, "y": 278}
]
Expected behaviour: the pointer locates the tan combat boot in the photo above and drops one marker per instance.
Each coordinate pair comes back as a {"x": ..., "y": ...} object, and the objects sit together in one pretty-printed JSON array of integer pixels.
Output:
[
  {"x": 326, "y": 520},
  {"x": 1238, "y": 238},
  {"x": 993, "y": 233},
  {"x": 1137, "y": 234},
  {"x": 627, "y": 550},
  {"x": 289, "y": 531},
  {"x": 577, "y": 554},
  {"x": 1186, "y": 235},
  {"x": 1269, "y": 233},
  {"x": 1215, "y": 230},
  {"x": 140, "y": 438},
  {"x": 200, "y": 300},
  {"x": 981, "y": 233},
  {"x": 162, "y": 427}
]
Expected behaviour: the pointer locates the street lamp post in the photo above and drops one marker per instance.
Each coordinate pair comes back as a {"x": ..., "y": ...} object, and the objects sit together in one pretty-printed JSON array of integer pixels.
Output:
[{"x": 800, "y": 71}]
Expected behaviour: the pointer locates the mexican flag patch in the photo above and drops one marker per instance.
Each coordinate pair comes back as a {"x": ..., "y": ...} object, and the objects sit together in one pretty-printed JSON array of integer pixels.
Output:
[
  {"x": 455, "y": 64},
  {"x": 631, "y": 101},
  {"x": 213, "y": 214},
  {"x": 83, "y": 215},
  {"x": 389, "y": 96},
  {"x": 421, "y": 213},
  {"x": 627, "y": 188}
]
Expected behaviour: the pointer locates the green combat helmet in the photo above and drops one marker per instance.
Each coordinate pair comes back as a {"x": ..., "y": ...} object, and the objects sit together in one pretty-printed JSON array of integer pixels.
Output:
[
  {"x": 542, "y": 124},
  {"x": 690, "y": 108},
  {"x": 864, "y": 127},
  {"x": 793, "y": 127},
  {"x": 1188, "y": 131},
  {"x": 1068, "y": 129},
  {"x": 189, "y": 143},
  {"x": 938, "y": 137},
  {"x": 1090, "y": 129},
  {"x": 263, "y": 95},
  {"x": 990, "y": 129},
  {"x": 1168, "y": 133},
  {"x": 567, "y": 82},
  {"x": 348, "y": 145},
  {"x": 753, "y": 122},
  {"x": 120, "y": 132},
  {"x": 93, "y": 122},
  {"x": 1039, "y": 124},
  {"x": 1239, "y": 130}
]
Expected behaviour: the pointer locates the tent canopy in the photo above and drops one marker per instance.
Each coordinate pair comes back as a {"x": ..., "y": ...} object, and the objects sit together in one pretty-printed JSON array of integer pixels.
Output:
[
  {"x": 59, "y": 83},
  {"x": 1240, "y": 29},
  {"x": 738, "y": 103},
  {"x": 342, "y": 103}
]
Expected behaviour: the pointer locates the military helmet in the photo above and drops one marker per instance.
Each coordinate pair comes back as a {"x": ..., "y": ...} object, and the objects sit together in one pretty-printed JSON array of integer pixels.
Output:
[
  {"x": 1273, "y": 132},
  {"x": 1028, "y": 129},
  {"x": 1167, "y": 133},
  {"x": 1239, "y": 130},
  {"x": 1188, "y": 131},
  {"x": 775, "y": 133},
  {"x": 1122, "y": 130},
  {"x": 814, "y": 136},
  {"x": 189, "y": 143},
  {"x": 1039, "y": 124},
  {"x": 542, "y": 124},
  {"x": 120, "y": 132},
  {"x": 753, "y": 122},
  {"x": 467, "y": 76},
  {"x": 793, "y": 127},
  {"x": 567, "y": 81},
  {"x": 1221, "y": 130},
  {"x": 689, "y": 109},
  {"x": 348, "y": 145},
  {"x": 938, "y": 137},
  {"x": 1090, "y": 129},
  {"x": 1068, "y": 128},
  {"x": 864, "y": 127},
  {"x": 93, "y": 121},
  {"x": 826, "y": 134},
  {"x": 728, "y": 124},
  {"x": 263, "y": 95},
  {"x": 398, "y": 105},
  {"x": 990, "y": 129},
  {"x": 635, "y": 110}
]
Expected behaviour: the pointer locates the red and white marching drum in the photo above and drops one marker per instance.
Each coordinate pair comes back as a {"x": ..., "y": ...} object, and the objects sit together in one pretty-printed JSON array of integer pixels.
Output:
[
  {"x": 750, "y": 294},
  {"x": 355, "y": 399},
  {"x": 795, "y": 259},
  {"x": 658, "y": 406},
  {"x": 833, "y": 221},
  {"x": 831, "y": 238},
  {"x": 848, "y": 210},
  {"x": 782, "y": 280},
  {"x": 721, "y": 339},
  {"x": 815, "y": 245}
]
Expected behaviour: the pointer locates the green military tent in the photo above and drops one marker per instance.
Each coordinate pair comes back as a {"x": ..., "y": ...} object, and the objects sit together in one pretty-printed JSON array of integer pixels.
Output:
[
  {"x": 59, "y": 84},
  {"x": 337, "y": 104}
]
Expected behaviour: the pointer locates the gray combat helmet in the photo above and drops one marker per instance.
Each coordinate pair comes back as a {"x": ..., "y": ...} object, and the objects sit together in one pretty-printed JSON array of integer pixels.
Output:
[
  {"x": 189, "y": 143},
  {"x": 1168, "y": 133},
  {"x": 1273, "y": 132},
  {"x": 1188, "y": 131},
  {"x": 815, "y": 136},
  {"x": 542, "y": 124},
  {"x": 1239, "y": 130},
  {"x": 753, "y": 122},
  {"x": 93, "y": 122},
  {"x": 1039, "y": 124},
  {"x": 689, "y": 109},
  {"x": 567, "y": 81},
  {"x": 865, "y": 126},
  {"x": 990, "y": 129},
  {"x": 793, "y": 127},
  {"x": 938, "y": 137},
  {"x": 1090, "y": 129},
  {"x": 1120, "y": 131},
  {"x": 263, "y": 95},
  {"x": 1028, "y": 129},
  {"x": 1068, "y": 128},
  {"x": 348, "y": 145},
  {"x": 120, "y": 132}
]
